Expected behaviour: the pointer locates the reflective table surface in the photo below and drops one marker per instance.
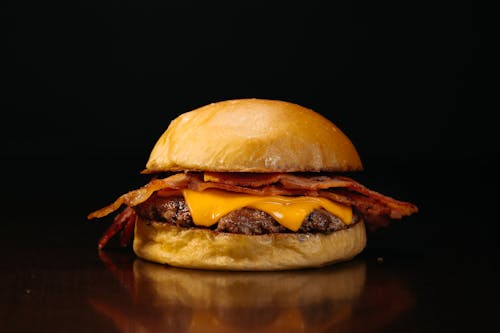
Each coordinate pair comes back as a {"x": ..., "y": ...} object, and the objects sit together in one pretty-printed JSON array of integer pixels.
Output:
[{"x": 436, "y": 271}]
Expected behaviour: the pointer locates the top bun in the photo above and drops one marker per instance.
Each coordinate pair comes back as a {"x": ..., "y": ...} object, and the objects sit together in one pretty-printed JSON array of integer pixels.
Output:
[{"x": 253, "y": 135}]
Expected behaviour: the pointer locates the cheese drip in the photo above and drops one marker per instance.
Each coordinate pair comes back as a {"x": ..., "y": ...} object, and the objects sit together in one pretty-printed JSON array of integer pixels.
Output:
[{"x": 207, "y": 207}]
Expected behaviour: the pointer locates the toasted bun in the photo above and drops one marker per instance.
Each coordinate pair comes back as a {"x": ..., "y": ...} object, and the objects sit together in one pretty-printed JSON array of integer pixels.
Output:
[
  {"x": 253, "y": 135},
  {"x": 206, "y": 249}
]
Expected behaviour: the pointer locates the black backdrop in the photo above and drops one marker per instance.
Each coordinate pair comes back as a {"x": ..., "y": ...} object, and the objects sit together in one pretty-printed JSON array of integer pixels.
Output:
[{"x": 89, "y": 87}]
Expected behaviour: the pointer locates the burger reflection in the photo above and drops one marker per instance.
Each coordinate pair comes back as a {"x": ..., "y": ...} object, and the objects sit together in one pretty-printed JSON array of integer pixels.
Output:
[{"x": 166, "y": 299}]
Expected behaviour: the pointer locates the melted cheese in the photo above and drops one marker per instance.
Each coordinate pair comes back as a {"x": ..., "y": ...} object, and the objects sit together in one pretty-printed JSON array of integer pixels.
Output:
[{"x": 207, "y": 207}]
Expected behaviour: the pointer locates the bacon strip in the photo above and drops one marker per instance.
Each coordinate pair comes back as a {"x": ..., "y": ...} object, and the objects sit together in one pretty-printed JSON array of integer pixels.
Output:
[
  {"x": 313, "y": 183},
  {"x": 242, "y": 179},
  {"x": 264, "y": 190},
  {"x": 366, "y": 200},
  {"x": 398, "y": 208},
  {"x": 338, "y": 188},
  {"x": 289, "y": 181},
  {"x": 121, "y": 221},
  {"x": 136, "y": 197},
  {"x": 128, "y": 230},
  {"x": 365, "y": 205}
]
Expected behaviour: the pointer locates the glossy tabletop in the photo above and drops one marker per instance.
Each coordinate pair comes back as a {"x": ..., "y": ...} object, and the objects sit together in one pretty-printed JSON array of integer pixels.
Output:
[{"x": 431, "y": 272}]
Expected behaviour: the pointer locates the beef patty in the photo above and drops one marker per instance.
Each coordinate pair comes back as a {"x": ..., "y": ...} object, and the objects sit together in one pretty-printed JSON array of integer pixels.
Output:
[{"x": 248, "y": 221}]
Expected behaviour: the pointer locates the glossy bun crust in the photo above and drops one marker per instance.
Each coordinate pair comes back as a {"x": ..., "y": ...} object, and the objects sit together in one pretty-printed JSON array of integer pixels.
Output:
[
  {"x": 206, "y": 249},
  {"x": 253, "y": 135}
]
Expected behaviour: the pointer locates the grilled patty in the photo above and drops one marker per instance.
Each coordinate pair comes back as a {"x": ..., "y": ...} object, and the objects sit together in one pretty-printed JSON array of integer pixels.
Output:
[{"x": 248, "y": 221}]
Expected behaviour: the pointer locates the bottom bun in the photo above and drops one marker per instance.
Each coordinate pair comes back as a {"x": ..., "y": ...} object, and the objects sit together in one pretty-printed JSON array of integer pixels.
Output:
[{"x": 207, "y": 249}]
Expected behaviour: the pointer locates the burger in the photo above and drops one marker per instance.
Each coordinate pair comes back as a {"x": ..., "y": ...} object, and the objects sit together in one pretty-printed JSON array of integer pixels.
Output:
[{"x": 250, "y": 185}]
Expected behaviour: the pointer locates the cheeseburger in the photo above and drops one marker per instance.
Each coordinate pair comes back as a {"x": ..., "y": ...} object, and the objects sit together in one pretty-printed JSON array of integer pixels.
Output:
[{"x": 250, "y": 184}]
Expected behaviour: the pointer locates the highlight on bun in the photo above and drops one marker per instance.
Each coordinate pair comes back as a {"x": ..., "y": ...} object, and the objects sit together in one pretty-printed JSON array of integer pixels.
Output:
[
  {"x": 253, "y": 135},
  {"x": 208, "y": 249}
]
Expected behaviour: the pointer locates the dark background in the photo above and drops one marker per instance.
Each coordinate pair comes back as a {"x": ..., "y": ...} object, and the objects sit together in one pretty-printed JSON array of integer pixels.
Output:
[
  {"x": 88, "y": 87},
  {"x": 90, "y": 79}
]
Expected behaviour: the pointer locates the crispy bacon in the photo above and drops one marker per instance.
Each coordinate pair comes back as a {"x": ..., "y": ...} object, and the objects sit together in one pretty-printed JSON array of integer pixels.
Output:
[
  {"x": 373, "y": 205},
  {"x": 358, "y": 195},
  {"x": 289, "y": 181},
  {"x": 365, "y": 205},
  {"x": 398, "y": 209},
  {"x": 313, "y": 183},
  {"x": 263, "y": 190},
  {"x": 136, "y": 197},
  {"x": 124, "y": 220},
  {"x": 353, "y": 194},
  {"x": 242, "y": 179},
  {"x": 128, "y": 230}
]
